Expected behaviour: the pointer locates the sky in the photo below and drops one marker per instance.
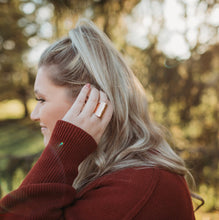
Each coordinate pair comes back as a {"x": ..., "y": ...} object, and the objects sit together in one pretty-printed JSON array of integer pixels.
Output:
[{"x": 175, "y": 38}]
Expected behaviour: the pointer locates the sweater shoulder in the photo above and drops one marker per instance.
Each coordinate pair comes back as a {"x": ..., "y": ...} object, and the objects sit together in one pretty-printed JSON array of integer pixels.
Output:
[
  {"x": 139, "y": 180},
  {"x": 144, "y": 192},
  {"x": 132, "y": 180}
]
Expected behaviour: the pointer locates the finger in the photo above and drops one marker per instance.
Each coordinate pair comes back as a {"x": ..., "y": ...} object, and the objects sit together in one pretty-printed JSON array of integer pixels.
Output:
[
  {"x": 92, "y": 102},
  {"x": 103, "y": 97},
  {"x": 81, "y": 99}
]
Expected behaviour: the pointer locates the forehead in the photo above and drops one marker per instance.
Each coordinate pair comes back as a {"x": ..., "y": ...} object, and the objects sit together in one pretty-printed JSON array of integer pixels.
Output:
[
  {"x": 42, "y": 76},
  {"x": 45, "y": 86},
  {"x": 43, "y": 81}
]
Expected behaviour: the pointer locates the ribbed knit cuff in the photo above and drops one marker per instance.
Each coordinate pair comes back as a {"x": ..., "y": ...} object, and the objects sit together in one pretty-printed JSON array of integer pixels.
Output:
[{"x": 66, "y": 135}]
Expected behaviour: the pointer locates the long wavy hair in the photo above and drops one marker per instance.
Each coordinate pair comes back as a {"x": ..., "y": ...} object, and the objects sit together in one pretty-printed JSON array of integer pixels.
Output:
[{"x": 131, "y": 139}]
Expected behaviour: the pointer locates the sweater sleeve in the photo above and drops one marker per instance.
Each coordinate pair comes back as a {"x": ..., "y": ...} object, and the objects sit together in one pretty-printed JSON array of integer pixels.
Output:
[{"x": 47, "y": 189}]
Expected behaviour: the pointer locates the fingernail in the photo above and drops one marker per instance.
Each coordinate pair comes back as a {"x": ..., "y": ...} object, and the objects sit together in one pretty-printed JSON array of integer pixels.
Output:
[{"x": 87, "y": 85}]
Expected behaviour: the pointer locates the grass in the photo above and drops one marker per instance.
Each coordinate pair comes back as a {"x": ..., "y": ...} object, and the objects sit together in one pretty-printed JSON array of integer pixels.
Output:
[{"x": 19, "y": 138}]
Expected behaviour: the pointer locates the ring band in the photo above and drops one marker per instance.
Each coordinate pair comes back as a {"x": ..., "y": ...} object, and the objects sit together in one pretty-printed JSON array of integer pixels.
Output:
[{"x": 100, "y": 109}]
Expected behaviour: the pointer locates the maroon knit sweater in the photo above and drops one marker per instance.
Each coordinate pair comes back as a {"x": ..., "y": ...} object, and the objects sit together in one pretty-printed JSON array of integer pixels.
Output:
[{"x": 132, "y": 193}]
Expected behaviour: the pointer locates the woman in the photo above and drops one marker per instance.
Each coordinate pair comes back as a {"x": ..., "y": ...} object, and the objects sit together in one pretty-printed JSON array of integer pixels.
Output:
[{"x": 105, "y": 158}]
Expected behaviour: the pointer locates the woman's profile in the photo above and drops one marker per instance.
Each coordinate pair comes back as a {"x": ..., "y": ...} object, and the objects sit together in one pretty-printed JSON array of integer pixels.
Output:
[{"x": 104, "y": 157}]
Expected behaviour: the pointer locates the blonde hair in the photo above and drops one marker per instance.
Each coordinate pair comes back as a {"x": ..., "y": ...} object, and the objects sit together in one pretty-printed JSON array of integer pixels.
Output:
[{"x": 131, "y": 139}]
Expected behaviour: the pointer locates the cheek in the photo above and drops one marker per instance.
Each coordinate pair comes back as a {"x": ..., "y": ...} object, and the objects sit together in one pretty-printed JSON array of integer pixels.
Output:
[{"x": 54, "y": 113}]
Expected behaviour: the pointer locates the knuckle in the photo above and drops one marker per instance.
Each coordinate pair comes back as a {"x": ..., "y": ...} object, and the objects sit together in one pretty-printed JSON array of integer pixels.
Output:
[
  {"x": 95, "y": 92},
  {"x": 94, "y": 98}
]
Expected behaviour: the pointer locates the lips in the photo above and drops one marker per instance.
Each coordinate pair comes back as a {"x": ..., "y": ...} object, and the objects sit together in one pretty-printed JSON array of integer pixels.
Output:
[{"x": 43, "y": 128}]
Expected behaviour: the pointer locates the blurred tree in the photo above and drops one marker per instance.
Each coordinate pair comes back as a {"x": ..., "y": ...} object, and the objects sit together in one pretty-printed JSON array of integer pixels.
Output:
[
  {"x": 107, "y": 14},
  {"x": 20, "y": 27},
  {"x": 14, "y": 77}
]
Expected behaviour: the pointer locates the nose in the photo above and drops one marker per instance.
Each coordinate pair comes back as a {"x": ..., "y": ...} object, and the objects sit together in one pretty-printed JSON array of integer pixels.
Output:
[{"x": 34, "y": 116}]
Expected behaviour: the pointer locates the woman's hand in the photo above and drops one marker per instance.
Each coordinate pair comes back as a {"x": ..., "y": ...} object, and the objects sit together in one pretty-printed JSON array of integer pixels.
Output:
[{"x": 82, "y": 112}]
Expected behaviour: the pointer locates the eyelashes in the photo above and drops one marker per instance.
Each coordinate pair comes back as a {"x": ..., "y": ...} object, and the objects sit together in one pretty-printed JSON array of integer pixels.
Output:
[{"x": 40, "y": 100}]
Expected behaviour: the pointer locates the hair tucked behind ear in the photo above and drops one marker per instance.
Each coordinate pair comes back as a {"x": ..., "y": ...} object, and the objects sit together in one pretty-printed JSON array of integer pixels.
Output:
[{"x": 131, "y": 139}]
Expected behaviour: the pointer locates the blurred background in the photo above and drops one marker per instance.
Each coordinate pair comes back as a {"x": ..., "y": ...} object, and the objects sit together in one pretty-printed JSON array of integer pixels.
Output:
[{"x": 173, "y": 48}]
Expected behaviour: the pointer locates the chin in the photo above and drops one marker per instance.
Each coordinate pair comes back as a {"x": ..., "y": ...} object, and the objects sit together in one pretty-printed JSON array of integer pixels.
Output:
[
  {"x": 46, "y": 141},
  {"x": 46, "y": 137}
]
